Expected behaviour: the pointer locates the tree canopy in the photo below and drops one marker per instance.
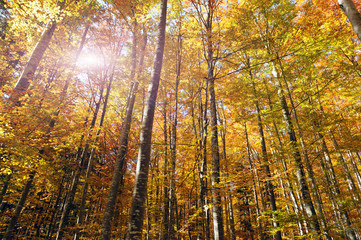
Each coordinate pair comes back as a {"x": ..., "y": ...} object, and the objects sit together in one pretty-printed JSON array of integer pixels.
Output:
[{"x": 180, "y": 119}]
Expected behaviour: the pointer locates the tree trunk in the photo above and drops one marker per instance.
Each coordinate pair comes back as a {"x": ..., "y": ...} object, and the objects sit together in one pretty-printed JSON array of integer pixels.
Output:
[
  {"x": 173, "y": 143},
  {"x": 310, "y": 172},
  {"x": 300, "y": 174},
  {"x": 70, "y": 198},
  {"x": 141, "y": 177},
  {"x": 19, "y": 207},
  {"x": 253, "y": 174},
  {"x": 229, "y": 204},
  {"x": 349, "y": 8},
  {"x": 55, "y": 210},
  {"x": 217, "y": 207},
  {"x": 165, "y": 213},
  {"x": 5, "y": 188},
  {"x": 28, "y": 73},
  {"x": 265, "y": 159},
  {"x": 216, "y": 195},
  {"x": 91, "y": 159},
  {"x": 120, "y": 161},
  {"x": 203, "y": 133}
]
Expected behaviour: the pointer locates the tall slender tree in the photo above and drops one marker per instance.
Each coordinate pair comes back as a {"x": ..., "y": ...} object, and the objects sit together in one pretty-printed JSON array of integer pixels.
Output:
[
  {"x": 141, "y": 178},
  {"x": 28, "y": 73}
]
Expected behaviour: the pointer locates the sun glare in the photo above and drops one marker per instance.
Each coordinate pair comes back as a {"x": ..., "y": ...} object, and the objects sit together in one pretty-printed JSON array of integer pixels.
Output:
[{"x": 91, "y": 61}]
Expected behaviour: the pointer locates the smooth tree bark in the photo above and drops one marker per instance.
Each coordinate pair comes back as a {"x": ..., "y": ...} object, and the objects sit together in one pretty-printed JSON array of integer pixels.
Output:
[
  {"x": 350, "y": 10},
  {"x": 39, "y": 50},
  {"x": 26, "y": 189},
  {"x": 309, "y": 169},
  {"x": 230, "y": 226},
  {"x": 165, "y": 208},
  {"x": 141, "y": 178},
  {"x": 296, "y": 208},
  {"x": 253, "y": 174},
  {"x": 217, "y": 207},
  {"x": 55, "y": 207},
  {"x": 28, "y": 73},
  {"x": 204, "y": 223},
  {"x": 335, "y": 194}
]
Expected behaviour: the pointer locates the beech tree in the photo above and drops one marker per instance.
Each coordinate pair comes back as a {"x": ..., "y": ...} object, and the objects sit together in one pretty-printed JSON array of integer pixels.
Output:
[
  {"x": 28, "y": 73},
  {"x": 140, "y": 187}
]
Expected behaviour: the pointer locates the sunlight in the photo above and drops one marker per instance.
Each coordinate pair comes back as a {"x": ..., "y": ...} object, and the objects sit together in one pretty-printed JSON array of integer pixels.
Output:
[{"x": 91, "y": 61}]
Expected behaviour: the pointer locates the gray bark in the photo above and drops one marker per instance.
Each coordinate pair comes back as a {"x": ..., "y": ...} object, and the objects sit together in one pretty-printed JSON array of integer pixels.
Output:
[
  {"x": 253, "y": 174},
  {"x": 282, "y": 159},
  {"x": 141, "y": 177},
  {"x": 55, "y": 210},
  {"x": 265, "y": 159},
  {"x": 28, "y": 73},
  {"x": 217, "y": 207},
  {"x": 310, "y": 172},
  {"x": 203, "y": 133},
  {"x": 166, "y": 203},
  {"x": 216, "y": 196},
  {"x": 229, "y": 204},
  {"x": 350, "y": 10}
]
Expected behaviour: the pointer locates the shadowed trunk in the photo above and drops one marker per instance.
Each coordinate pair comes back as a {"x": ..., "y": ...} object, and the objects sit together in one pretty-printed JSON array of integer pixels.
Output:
[{"x": 19, "y": 207}]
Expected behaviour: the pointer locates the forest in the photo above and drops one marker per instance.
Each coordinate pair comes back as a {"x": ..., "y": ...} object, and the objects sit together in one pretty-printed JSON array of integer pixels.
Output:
[{"x": 180, "y": 119}]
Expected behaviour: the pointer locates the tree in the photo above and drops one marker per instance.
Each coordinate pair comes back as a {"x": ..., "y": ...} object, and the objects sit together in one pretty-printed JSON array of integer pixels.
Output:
[
  {"x": 28, "y": 73},
  {"x": 141, "y": 179}
]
